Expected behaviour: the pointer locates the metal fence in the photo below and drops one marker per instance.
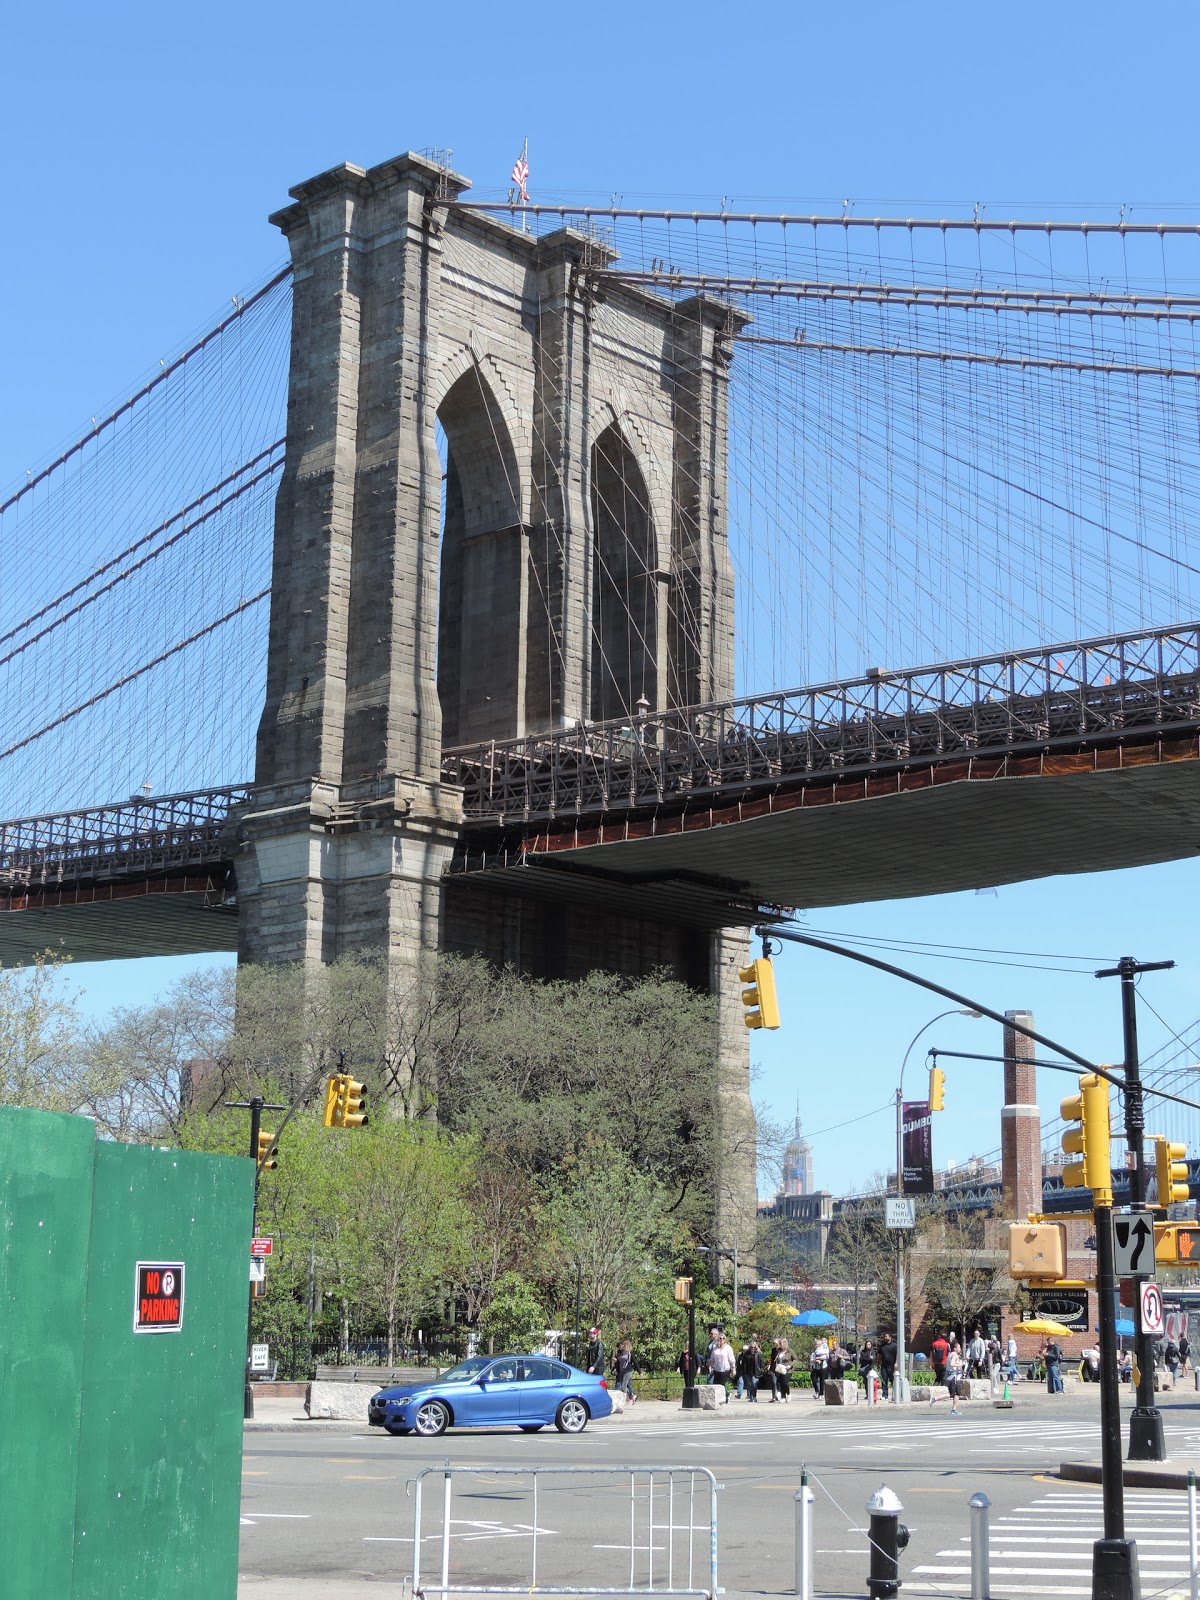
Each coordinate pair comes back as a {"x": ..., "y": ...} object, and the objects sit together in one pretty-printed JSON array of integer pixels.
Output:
[
  {"x": 675, "y": 1506},
  {"x": 1123, "y": 685}
]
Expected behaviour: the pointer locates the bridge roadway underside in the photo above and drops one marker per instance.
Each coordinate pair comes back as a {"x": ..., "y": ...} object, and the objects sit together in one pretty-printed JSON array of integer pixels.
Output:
[
  {"x": 969, "y": 824},
  {"x": 975, "y": 824}
]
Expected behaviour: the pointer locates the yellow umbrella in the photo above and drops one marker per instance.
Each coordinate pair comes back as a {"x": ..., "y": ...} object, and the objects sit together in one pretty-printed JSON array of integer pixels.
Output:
[
  {"x": 1045, "y": 1327},
  {"x": 780, "y": 1308}
]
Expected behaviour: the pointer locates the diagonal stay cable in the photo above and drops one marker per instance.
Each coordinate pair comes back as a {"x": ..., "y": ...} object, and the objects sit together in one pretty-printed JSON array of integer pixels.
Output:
[
  {"x": 138, "y": 672},
  {"x": 143, "y": 561},
  {"x": 147, "y": 388}
]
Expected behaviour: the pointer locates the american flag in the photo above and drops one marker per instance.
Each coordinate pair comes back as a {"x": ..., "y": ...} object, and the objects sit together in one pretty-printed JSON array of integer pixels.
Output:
[{"x": 520, "y": 173}]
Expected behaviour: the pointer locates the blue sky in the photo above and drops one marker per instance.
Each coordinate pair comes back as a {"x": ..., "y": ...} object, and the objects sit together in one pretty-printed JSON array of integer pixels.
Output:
[{"x": 143, "y": 146}]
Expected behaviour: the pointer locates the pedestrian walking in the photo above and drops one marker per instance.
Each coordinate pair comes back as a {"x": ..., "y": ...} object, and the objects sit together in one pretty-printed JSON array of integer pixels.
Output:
[
  {"x": 818, "y": 1363},
  {"x": 867, "y": 1363},
  {"x": 781, "y": 1370},
  {"x": 954, "y": 1376},
  {"x": 1011, "y": 1357},
  {"x": 887, "y": 1363},
  {"x": 1171, "y": 1359},
  {"x": 721, "y": 1363},
  {"x": 1185, "y": 1350},
  {"x": 1052, "y": 1356},
  {"x": 594, "y": 1357},
  {"x": 976, "y": 1355},
  {"x": 685, "y": 1363},
  {"x": 622, "y": 1367},
  {"x": 750, "y": 1368}
]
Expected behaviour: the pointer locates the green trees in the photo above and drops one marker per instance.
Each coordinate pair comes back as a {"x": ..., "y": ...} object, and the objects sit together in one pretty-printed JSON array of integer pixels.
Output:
[{"x": 525, "y": 1138}]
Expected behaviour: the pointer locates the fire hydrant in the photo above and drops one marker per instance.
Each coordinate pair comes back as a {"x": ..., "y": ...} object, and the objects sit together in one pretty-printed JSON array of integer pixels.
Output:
[{"x": 888, "y": 1537}]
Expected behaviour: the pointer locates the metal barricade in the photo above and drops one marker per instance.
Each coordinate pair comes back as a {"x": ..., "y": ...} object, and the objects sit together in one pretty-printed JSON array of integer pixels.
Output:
[{"x": 688, "y": 1565}]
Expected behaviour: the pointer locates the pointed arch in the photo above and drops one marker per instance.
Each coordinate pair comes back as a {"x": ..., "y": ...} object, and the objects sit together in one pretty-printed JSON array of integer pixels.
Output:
[
  {"x": 482, "y": 581},
  {"x": 625, "y": 587}
]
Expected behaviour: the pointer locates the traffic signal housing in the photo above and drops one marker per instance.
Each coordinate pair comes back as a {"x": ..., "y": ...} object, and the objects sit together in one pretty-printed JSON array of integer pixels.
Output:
[
  {"x": 1170, "y": 1160},
  {"x": 1176, "y": 1244},
  {"x": 1037, "y": 1251},
  {"x": 1091, "y": 1139},
  {"x": 333, "y": 1090},
  {"x": 354, "y": 1103},
  {"x": 266, "y": 1152},
  {"x": 683, "y": 1291},
  {"x": 762, "y": 1008},
  {"x": 345, "y": 1102},
  {"x": 937, "y": 1089}
]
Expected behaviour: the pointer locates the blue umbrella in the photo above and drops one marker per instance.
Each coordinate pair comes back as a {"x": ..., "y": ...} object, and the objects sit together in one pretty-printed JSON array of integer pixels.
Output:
[
  {"x": 1125, "y": 1329},
  {"x": 814, "y": 1319}
]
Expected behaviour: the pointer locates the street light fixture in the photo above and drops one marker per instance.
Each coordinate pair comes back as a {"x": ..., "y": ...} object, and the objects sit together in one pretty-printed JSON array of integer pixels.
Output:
[
  {"x": 900, "y": 1386},
  {"x": 730, "y": 1250}
]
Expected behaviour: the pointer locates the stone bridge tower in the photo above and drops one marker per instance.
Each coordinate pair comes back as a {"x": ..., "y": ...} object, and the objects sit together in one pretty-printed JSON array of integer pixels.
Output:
[{"x": 502, "y": 511}]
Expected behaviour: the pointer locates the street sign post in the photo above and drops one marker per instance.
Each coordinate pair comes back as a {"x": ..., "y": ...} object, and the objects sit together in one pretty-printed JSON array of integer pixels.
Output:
[
  {"x": 1133, "y": 1244},
  {"x": 1150, "y": 1305},
  {"x": 900, "y": 1211}
]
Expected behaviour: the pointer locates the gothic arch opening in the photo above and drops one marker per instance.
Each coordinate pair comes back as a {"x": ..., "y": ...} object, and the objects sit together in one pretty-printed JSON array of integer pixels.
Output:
[
  {"x": 481, "y": 621},
  {"x": 624, "y": 582}
]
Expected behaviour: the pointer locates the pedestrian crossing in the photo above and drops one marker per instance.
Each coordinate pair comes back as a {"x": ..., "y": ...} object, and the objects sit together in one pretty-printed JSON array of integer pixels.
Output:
[
  {"x": 913, "y": 1432},
  {"x": 1045, "y": 1548}
]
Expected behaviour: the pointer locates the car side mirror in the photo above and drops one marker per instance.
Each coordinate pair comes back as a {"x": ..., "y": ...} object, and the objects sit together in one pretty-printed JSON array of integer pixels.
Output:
[{"x": 481, "y": 1380}]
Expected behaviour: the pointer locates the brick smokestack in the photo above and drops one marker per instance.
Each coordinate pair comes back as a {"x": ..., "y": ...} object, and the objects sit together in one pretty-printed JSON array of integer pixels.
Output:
[{"x": 1020, "y": 1123}]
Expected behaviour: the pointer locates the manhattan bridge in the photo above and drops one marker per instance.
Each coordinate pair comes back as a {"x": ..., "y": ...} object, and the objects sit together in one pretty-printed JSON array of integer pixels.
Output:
[{"x": 582, "y": 585}]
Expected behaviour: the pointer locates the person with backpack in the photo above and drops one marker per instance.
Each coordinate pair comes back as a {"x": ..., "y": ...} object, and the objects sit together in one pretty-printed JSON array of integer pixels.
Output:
[
  {"x": 938, "y": 1353},
  {"x": 1171, "y": 1360}
]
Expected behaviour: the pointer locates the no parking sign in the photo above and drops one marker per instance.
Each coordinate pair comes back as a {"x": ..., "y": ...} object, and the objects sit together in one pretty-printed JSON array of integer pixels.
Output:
[{"x": 1152, "y": 1312}]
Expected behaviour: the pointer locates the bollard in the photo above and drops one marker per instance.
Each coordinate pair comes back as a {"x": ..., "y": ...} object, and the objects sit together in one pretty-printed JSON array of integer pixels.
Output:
[
  {"x": 888, "y": 1537},
  {"x": 981, "y": 1556},
  {"x": 872, "y": 1387},
  {"x": 1193, "y": 1554},
  {"x": 804, "y": 1540}
]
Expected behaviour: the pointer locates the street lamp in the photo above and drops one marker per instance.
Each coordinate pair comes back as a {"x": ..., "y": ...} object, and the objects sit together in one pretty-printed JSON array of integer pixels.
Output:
[
  {"x": 900, "y": 1386},
  {"x": 730, "y": 1250}
]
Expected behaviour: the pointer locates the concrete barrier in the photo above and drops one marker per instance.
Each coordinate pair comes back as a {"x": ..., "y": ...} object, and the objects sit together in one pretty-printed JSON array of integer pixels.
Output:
[
  {"x": 711, "y": 1395},
  {"x": 339, "y": 1402},
  {"x": 841, "y": 1392}
]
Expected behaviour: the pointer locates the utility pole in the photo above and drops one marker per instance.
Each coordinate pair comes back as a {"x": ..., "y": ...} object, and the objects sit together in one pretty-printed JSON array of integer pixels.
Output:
[
  {"x": 256, "y": 1105},
  {"x": 1146, "y": 1439}
]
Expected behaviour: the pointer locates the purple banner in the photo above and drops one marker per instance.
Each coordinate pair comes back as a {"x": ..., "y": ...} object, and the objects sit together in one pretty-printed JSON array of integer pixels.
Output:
[{"x": 917, "y": 1145}]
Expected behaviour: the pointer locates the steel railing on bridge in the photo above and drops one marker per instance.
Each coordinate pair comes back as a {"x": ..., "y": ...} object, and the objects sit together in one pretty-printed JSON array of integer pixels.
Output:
[
  {"x": 1121, "y": 686},
  {"x": 163, "y": 834}
]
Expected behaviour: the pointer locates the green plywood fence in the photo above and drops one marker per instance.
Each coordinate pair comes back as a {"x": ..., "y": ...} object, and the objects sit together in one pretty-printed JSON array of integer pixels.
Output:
[{"x": 120, "y": 1452}]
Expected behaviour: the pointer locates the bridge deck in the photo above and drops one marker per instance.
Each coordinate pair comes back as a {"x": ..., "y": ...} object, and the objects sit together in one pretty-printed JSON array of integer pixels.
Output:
[{"x": 888, "y": 786}]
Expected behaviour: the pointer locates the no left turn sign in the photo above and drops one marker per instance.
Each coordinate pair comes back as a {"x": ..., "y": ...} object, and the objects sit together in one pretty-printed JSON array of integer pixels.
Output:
[{"x": 1153, "y": 1315}]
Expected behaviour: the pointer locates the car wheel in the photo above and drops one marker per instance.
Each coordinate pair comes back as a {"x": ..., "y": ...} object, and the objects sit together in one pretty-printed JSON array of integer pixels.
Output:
[
  {"x": 571, "y": 1417},
  {"x": 432, "y": 1418},
  {"x": 532, "y": 1427},
  {"x": 395, "y": 1429}
]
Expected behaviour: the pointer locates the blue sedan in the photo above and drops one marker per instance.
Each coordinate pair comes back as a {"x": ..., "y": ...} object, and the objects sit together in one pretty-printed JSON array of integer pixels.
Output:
[{"x": 525, "y": 1392}]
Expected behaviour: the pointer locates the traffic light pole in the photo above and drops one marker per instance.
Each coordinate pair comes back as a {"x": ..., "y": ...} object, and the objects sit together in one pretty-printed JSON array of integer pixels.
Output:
[
  {"x": 1114, "y": 1557},
  {"x": 691, "y": 1400},
  {"x": 1146, "y": 1439},
  {"x": 256, "y": 1110}
]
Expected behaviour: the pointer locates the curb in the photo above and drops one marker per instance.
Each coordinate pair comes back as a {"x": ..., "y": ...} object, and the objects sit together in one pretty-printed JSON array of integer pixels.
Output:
[
  {"x": 1132, "y": 1477},
  {"x": 311, "y": 1425}
]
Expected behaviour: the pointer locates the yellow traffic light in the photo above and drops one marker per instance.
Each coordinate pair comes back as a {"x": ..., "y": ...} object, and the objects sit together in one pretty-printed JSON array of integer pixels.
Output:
[
  {"x": 266, "y": 1152},
  {"x": 683, "y": 1291},
  {"x": 1171, "y": 1163},
  {"x": 353, "y": 1107},
  {"x": 937, "y": 1089},
  {"x": 762, "y": 1008},
  {"x": 1092, "y": 1139},
  {"x": 333, "y": 1090}
]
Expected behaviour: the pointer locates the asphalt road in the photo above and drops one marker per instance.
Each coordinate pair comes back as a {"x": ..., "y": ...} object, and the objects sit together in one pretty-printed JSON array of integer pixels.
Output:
[{"x": 333, "y": 1514}]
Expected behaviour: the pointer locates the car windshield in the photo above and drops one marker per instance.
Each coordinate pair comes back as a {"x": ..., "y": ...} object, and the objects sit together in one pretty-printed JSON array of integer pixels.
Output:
[{"x": 466, "y": 1370}]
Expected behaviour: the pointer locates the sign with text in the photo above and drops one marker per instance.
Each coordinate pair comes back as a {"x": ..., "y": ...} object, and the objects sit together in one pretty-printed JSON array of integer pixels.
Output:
[
  {"x": 260, "y": 1358},
  {"x": 917, "y": 1147},
  {"x": 261, "y": 1247},
  {"x": 258, "y": 1270},
  {"x": 1068, "y": 1306},
  {"x": 900, "y": 1211},
  {"x": 158, "y": 1297}
]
